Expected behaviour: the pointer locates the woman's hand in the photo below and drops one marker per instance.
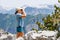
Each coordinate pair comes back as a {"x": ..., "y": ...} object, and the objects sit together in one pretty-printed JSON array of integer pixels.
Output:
[{"x": 23, "y": 15}]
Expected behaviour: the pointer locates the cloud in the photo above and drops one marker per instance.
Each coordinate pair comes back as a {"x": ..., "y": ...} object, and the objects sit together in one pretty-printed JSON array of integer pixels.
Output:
[{"x": 8, "y": 4}]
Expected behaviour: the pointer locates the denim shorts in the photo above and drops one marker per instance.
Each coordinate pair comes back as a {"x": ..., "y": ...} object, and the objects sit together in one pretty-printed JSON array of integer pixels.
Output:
[{"x": 19, "y": 29}]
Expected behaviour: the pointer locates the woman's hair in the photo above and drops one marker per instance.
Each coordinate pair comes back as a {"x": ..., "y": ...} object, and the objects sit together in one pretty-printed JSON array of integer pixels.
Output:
[
  {"x": 21, "y": 9},
  {"x": 17, "y": 11}
]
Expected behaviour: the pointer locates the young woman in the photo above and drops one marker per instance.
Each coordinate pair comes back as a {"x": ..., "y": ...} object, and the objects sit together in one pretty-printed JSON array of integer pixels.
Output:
[{"x": 20, "y": 15}]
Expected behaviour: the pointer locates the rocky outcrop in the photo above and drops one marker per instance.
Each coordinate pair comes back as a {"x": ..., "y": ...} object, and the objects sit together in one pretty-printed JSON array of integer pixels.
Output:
[
  {"x": 41, "y": 35},
  {"x": 6, "y": 36}
]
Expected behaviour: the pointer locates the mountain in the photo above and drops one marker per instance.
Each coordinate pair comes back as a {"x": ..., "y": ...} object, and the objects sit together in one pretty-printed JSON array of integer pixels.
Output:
[
  {"x": 29, "y": 10},
  {"x": 8, "y": 19},
  {"x": 31, "y": 20},
  {"x": 2, "y": 10},
  {"x": 35, "y": 11},
  {"x": 9, "y": 23}
]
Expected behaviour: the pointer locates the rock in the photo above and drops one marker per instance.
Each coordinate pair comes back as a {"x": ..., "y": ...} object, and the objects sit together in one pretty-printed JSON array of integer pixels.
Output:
[
  {"x": 20, "y": 38},
  {"x": 58, "y": 38},
  {"x": 41, "y": 35}
]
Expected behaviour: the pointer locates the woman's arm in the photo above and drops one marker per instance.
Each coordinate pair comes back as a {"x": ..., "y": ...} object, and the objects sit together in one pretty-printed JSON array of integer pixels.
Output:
[{"x": 23, "y": 15}]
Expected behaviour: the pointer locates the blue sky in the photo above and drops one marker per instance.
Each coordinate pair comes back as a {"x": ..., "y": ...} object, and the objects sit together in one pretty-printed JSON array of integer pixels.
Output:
[{"x": 8, "y": 4}]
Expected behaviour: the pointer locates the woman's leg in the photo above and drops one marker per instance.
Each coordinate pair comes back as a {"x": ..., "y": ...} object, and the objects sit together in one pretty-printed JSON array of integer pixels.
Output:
[{"x": 20, "y": 32}]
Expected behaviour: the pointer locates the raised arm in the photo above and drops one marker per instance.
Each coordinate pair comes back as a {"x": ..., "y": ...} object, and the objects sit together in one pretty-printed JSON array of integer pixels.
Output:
[{"x": 23, "y": 15}]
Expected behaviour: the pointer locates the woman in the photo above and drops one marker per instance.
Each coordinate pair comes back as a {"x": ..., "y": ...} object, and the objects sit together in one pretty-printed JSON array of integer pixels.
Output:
[{"x": 20, "y": 15}]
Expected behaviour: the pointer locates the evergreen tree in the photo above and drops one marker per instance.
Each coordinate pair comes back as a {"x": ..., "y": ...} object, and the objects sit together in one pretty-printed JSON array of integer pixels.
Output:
[{"x": 59, "y": 1}]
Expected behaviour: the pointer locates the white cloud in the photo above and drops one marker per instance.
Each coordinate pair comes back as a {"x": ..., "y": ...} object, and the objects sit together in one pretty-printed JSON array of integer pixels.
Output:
[{"x": 33, "y": 3}]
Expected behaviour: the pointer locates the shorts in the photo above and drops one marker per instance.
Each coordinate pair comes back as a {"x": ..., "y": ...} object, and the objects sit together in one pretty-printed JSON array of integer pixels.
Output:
[{"x": 19, "y": 29}]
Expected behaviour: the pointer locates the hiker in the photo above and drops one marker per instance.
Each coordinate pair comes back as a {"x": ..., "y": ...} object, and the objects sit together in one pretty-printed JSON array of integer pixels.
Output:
[{"x": 20, "y": 15}]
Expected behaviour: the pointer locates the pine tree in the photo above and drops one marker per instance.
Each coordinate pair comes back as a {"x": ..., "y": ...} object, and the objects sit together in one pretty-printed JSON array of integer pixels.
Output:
[{"x": 59, "y": 1}]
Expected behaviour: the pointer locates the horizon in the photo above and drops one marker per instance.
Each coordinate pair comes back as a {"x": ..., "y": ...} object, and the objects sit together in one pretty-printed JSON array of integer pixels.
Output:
[
  {"x": 9, "y": 4},
  {"x": 40, "y": 4}
]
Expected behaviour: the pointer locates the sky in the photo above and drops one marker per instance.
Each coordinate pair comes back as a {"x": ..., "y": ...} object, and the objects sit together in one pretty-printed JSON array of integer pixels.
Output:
[{"x": 8, "y": 4}]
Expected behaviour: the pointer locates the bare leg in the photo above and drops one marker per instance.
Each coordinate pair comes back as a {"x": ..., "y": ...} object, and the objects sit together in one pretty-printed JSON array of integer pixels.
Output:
[{"x": 20, "y": 34}]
